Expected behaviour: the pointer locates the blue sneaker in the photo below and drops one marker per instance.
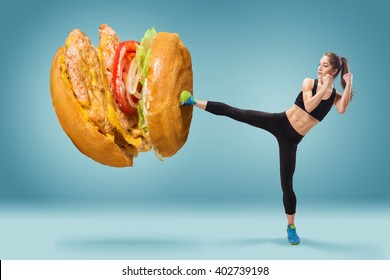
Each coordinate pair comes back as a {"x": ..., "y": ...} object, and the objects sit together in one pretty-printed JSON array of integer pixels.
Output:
[
  {"x": 292, "y": 235},
  {"x": 187, "y": 99}
]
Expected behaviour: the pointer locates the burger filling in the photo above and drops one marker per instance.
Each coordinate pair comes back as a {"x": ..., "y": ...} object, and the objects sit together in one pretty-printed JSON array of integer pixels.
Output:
[
  {"x": 130, "y": 73},
  {"x": 125, "y": 124}
]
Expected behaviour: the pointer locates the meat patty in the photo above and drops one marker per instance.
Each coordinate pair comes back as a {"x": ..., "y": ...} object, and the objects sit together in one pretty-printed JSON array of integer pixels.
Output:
[{"x": 83, "y": 67}]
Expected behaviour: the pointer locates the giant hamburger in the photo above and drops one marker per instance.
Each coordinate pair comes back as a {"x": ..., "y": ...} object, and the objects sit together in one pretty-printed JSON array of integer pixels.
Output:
[{"x": 122, "y": 98}]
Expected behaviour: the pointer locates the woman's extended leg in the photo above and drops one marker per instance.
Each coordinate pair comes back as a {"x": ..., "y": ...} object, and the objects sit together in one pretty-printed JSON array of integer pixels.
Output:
[
  {"x": 259, "y": 119},
  {"x": 263, "y": 120},
  {"x": 201, "y": 104}
]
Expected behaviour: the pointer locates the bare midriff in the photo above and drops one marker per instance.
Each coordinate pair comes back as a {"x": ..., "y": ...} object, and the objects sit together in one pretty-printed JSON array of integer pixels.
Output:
[{"x": 300, "y": 120}]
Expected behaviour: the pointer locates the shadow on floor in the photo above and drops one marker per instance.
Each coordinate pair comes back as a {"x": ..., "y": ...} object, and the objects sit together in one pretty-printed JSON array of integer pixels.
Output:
[
  {"x": 128, "y": 244},
  {"x": 350, "y": 250},
  {"x": 190, "y": 248}
]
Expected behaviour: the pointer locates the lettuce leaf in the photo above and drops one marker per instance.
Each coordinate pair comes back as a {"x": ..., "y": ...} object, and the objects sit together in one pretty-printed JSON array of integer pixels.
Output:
[
  {"x": 143, "y": 52},
  {"x": 142, "y": 58},
  {"x": 141, "y": 117}
]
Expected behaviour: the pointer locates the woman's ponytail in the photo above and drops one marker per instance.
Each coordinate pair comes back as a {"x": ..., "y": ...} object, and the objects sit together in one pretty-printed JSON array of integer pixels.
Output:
[{"x": 344, "y": 70}]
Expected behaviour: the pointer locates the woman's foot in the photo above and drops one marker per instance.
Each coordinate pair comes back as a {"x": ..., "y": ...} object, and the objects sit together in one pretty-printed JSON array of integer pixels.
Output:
[
  {"x": 292, "y": 235},
  {"x": 187, "y": 99}
]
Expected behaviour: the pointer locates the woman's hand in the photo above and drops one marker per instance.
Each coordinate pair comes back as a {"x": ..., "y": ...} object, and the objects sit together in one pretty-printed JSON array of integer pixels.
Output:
[
  {"x": 328, "y": 81},
  {"x": 348, "y": 78},
  {"x": 342, "y": 101}
]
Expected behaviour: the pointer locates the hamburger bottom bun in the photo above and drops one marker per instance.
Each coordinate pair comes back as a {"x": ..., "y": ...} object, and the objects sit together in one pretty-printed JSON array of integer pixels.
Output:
[
  {"x": 84, "y": 134},
  {"x": 170, "y": 72}
]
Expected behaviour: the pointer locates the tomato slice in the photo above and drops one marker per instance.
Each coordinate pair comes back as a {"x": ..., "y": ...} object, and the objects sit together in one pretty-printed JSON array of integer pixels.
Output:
[{"x": 123, "y": 57}]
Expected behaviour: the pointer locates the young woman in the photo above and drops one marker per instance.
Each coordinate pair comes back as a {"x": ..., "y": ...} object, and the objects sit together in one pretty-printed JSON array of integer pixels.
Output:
[{"x": 311, "y": 106}]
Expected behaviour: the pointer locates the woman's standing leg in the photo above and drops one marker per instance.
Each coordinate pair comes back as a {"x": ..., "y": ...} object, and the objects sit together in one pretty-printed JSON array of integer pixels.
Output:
[{"x": 287, "y": 154}]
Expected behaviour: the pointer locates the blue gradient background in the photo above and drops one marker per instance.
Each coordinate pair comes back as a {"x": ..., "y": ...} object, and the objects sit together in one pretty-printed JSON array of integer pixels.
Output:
[{"x": 251, "y": 54}]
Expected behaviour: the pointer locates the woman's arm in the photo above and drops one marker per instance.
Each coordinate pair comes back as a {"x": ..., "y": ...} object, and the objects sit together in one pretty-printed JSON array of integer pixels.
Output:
[
  {"x": 342, "y": 101},
  {"x": 311, "y": 102}
]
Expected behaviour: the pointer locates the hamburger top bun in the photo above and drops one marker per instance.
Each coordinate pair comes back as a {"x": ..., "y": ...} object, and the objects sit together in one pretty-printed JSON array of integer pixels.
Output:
[
  {"x": 84, "y": 134},
  {"x": 170, "y": 72}
]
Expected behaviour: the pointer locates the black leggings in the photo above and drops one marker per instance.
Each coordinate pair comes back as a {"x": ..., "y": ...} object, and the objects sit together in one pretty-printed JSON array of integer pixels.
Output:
[{"x": 288, "y": 139}]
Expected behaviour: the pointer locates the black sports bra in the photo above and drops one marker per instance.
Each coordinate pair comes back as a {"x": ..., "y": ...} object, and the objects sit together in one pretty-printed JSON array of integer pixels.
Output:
[{"x": 322, "y": 109}]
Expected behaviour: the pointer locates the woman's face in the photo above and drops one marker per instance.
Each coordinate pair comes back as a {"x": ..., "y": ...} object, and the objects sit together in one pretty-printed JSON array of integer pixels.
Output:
[{"x": 325, "y": 68}]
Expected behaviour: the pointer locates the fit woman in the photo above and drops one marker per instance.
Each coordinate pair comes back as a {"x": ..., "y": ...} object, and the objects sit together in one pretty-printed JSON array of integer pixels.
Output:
[{"x": 311, "y": 106}]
